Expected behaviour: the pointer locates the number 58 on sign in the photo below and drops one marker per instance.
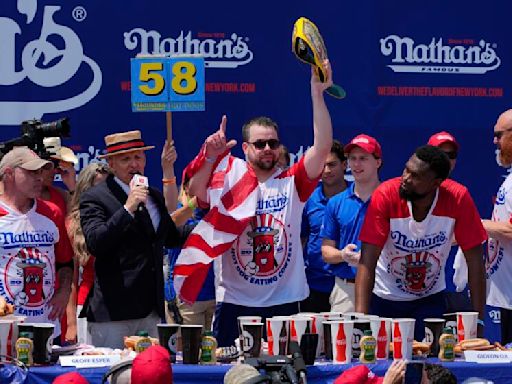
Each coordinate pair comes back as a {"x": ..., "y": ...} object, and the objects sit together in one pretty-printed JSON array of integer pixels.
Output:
[{"x": 163, "y": 84}]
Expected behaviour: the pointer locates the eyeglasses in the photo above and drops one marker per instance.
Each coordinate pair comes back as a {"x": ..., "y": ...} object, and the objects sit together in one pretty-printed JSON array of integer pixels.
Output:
[
  {"x": 261, "y": 144},
  {"x": 499, "y": 134},
  {"x": 452, "y": 155}
]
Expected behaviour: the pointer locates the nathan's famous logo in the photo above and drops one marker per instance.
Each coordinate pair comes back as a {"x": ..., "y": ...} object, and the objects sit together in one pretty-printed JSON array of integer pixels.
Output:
[
  {"x": 9, "y": 240},
  {"x": 229, "y": 52},
  {"x": 43, "y": 63},
  {"x": 416, "y": 273},
  {"x": 437, "y": 57},
  {"x": 29, "y": 279},
  {"x": 430, "y": 241},
  {"x": 495, "y": 315},
  {"x": 429, "y": 336},
  {"x": 263, "y": 254},
  {"x": 272, "y": 204},
  {"x": 492, "y": 257}
]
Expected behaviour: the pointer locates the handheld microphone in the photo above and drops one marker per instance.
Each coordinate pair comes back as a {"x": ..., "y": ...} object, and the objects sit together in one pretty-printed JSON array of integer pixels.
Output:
[
  {"x": 136, "y": 181},
  {"x": 139, "y": 180}
]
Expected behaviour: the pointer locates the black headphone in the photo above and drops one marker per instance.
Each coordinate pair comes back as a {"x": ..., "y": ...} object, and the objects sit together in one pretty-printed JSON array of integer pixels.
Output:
[{"x": 117, "y": 368}]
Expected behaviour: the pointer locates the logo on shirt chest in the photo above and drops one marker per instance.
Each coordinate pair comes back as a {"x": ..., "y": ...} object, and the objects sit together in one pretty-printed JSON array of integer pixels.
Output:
[
  {"x": 430, "y": 241},
  {"x": 263, "y": 255},
  {"x": 500, "y": 197},
  {"x": 493, "y": 257},
  {"x": 10, "y": 240},
  {"x": 415, "y": 273},
  {"x": 28, "y": 280},
  {"x": 272, "y": 204}
]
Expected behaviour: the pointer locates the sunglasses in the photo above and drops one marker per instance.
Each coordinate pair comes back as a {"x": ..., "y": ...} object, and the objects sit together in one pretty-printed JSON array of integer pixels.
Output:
[
  {"x": 261, "y": 144},
  {"x": 499, "y": 134},
  {"x": 452, "y": 155}
]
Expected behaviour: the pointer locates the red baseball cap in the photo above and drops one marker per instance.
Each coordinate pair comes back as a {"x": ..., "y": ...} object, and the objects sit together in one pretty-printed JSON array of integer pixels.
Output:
[
  {"x": 443, "y": 137},
  {"x": 365, "y": 142},
  {"x": 152, "y": 366},
  {"x": 70, "y": 378},
  {"x": 360, "y": 374}
]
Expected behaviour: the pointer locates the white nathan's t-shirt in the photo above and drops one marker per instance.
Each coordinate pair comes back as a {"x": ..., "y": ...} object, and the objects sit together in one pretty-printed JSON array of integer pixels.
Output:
[
  {"x": 413, "y": 256},
  {"x": 498, "y": 263},
  {"x": 28, "y": 246},
  {"x": 265, "y": 266}
]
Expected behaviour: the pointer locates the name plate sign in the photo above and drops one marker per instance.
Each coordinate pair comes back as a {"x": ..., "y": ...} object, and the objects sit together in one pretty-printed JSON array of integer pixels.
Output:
[
  {"x": 89, "y": 361},
  {"x": 488, "y": 357}
]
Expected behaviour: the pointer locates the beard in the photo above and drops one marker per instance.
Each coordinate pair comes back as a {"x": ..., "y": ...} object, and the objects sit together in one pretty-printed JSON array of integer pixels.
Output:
[
  {"x": 265, "y": 165},
  {"x": 410, "y": 195},
  {"x": 498, "y": 158}
]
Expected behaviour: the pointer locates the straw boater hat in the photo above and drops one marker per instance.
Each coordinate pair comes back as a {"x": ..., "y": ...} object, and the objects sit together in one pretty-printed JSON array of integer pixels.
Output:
[
  {"x": 124, "y": 142},
  {"x": 57, "y": 151}
]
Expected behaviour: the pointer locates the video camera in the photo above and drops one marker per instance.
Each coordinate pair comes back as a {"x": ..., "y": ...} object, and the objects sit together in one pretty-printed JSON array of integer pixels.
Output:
[
  {"x": 281, "y": 368},
  {"x": 32, "y": 134}
]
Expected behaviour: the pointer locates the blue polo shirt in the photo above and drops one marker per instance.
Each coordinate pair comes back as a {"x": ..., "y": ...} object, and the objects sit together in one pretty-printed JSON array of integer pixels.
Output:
[
  {"x": 318, "y": 273},
  {"x": 343, "y": 219}
]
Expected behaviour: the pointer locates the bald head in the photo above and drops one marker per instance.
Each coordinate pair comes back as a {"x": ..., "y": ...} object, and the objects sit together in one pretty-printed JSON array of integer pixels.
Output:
[
  {"x": 503, "y": 124},
  {"x": 505, "y": 120}
]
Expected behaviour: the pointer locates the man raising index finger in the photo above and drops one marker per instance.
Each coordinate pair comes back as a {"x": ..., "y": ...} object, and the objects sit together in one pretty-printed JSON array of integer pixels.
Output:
[{"x": 263, "y": 205}]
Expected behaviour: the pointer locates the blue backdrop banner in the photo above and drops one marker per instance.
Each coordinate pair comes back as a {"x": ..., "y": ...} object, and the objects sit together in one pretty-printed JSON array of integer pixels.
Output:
[{"x": 410, "y": 69}]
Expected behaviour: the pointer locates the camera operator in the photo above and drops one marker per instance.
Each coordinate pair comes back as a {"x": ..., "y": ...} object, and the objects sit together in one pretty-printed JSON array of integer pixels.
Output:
[
  {"x": 64, "y": 161},
  {"x": 44, "y": 140},
  {"x": 34, "y": 247}
]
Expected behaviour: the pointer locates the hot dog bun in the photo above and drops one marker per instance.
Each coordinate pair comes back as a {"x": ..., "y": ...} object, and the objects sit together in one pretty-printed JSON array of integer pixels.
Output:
[
  {"x": 5, "y": 307},
  {"x": 420, "y": 348},
  {"x": 474, "y": 344},
  {"x": 130, "y": 341}
]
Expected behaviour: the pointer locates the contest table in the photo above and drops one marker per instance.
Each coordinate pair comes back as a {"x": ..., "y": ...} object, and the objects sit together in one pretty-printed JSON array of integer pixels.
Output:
[{"x": 320, "y": 373}]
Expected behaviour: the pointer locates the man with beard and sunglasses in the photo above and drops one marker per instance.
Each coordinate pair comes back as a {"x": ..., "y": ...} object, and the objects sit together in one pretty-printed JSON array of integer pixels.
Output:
[
  {"x": 261, "y": 270},
  {"x": 406, "y": 238}
]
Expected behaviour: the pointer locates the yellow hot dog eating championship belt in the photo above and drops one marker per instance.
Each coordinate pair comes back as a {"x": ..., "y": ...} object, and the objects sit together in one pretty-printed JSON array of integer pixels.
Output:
[{"x": 309, "y": 47}]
